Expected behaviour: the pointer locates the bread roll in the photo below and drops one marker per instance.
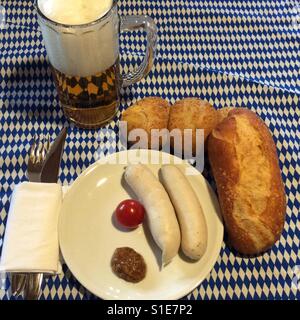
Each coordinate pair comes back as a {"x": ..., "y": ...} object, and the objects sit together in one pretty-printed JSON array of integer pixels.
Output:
[
  {"x": 192, "y": 113},
  {"x": 245, "y": 166},
  {"x": 147, "y": 114},
  {"x": 223, "y": 113}
]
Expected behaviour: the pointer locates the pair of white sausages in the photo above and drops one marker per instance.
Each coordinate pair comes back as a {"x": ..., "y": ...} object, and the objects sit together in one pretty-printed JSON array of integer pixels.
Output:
[{"x": 161, "y": 216}]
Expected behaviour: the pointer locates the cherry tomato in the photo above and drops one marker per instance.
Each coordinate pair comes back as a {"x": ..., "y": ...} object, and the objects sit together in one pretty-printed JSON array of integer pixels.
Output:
[{"x": 130, "y": 213}]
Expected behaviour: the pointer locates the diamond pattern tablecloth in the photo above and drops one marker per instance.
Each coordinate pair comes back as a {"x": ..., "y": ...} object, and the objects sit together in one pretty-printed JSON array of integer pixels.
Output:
[{"x": 238, "y": 53}]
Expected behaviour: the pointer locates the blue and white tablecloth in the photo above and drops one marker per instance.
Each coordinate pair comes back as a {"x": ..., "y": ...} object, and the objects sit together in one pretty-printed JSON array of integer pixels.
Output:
[{"x": 229, "y": 52}]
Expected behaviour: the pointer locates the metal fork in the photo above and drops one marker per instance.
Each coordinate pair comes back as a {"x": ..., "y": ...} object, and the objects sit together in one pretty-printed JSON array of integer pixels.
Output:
[
  {"x": 37, "y": 156},
  {"x": 31, "y": 283}
]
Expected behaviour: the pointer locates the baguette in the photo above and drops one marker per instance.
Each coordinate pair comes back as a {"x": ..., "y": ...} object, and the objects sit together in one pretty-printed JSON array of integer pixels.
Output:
[{"x": 245, "y": 166}]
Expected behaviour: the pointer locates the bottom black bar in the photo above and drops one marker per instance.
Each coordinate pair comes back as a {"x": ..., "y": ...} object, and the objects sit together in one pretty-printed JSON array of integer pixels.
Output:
[{"x": 146, "y": 309}]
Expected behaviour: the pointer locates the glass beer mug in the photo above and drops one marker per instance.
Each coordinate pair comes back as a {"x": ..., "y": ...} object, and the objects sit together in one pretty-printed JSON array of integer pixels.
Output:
[{"x": 84, "y": 59}]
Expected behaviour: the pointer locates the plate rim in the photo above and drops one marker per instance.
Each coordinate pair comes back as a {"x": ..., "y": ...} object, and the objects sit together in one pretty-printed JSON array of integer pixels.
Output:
[{"x": 182, "y": 293}]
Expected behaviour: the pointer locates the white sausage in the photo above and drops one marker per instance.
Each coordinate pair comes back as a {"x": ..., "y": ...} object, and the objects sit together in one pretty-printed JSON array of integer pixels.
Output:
[
  {"x": 160, "y": 213},
  {"x": 189, "y": 212}
]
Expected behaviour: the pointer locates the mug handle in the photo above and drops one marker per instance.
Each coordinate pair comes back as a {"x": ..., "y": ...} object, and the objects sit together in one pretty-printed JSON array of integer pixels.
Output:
[{"x": 129, "y": 23}]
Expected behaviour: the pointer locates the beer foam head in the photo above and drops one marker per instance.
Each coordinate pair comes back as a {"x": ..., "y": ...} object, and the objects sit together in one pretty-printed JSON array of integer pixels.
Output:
[
  {"x": 85, "y": 50},
  {"x": 74, "y": 12}
]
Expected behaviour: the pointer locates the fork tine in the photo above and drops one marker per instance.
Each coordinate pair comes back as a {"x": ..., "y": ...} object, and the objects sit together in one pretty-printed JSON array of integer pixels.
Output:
[
  {"x": 37, "y": 150},
  {"x": 40, "y": 150},
  {"x": 31, "y": 152},
  {"x": 44, "y": 148},
  {"x": 48, "y": 143},
  {"x": 43, "y": 151},
  {"x": 32, "y": 149}
]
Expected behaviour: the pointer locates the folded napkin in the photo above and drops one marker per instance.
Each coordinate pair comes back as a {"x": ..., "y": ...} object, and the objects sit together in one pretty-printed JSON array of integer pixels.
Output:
[{"x": 31, "y": 235}]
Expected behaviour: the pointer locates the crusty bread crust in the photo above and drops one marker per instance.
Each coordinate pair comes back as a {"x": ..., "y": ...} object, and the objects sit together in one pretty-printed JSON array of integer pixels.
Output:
[
  {"x": 148, "y": 113},
  {"x": 245, "y": 166},
  {"x": 223, "y": 113},
  {"x": 192, "y": 113}
]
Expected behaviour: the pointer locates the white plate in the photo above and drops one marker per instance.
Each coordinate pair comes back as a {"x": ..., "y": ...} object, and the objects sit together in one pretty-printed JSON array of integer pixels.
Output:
[{"x": 88, "y": 234}]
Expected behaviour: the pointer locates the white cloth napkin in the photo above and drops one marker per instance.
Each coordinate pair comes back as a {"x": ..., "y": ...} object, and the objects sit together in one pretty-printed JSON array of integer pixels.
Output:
[{"x": 31, "y": 235}]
